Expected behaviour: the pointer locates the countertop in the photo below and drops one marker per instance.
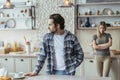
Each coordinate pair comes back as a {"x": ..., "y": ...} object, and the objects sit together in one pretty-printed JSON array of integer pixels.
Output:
[
  {"x": 19, "y": 55},
  {"x": 31, "y": 55},
  {"x": 63, "y": 77}
]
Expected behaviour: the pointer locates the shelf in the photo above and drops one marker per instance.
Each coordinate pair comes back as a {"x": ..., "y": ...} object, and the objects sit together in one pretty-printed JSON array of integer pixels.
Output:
[
  {"x": 101, "y": 3},
  {"x": 14, "y": 18},
  {"x": 91, "y": 28},
  {"x": 99, "y": 16},
  {"x": 82, "y": 12},
  {"x": 12, "y": 29}
]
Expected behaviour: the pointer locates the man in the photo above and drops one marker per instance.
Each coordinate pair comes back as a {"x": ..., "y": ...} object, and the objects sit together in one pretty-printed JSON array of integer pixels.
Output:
[{"x": 61, "y": 48}]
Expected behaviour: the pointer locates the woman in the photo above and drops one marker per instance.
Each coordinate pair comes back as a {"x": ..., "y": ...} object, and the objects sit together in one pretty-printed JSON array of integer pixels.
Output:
[{"x": 101, "y": 43}]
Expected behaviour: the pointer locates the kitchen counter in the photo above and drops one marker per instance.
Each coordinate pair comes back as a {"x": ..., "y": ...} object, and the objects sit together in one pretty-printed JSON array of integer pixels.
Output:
[
  {"x": 87, "y": 55},
  {"x": 18, "y": 55},
  {"x": 63, "y": 77}
]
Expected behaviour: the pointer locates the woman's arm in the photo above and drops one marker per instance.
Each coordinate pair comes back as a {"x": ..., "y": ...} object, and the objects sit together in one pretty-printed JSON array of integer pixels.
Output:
[
  {"x": 102, "y": 46},
  {"x": 106, "y": 45}
]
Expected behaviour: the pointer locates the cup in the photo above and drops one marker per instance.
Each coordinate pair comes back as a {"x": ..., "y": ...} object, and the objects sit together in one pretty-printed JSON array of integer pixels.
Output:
[
  {"x": 28, "y": 48},
  {"x": 17, "y": 75}
]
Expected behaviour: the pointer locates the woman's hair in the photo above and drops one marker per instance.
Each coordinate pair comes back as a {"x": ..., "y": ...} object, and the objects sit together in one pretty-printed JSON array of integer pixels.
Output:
[
  {"x": 98, "y": 31},
  {"x": 58, "y": 19}
]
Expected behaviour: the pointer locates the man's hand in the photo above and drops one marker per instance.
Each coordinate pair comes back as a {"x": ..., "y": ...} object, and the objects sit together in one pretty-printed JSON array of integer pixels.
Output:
[{"x": 30, "y": 74}]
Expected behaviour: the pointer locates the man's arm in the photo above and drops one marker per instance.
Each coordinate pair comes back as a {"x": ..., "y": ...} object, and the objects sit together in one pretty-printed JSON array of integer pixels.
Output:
[
  {"x": 79, "y": 52},
  {"x": 40, "y": 62},
  {"x": 41, "y": 59}
]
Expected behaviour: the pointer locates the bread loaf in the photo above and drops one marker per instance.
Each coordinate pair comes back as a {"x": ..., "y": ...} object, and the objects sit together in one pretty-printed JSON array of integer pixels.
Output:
[{"x": 5, "y": 78}]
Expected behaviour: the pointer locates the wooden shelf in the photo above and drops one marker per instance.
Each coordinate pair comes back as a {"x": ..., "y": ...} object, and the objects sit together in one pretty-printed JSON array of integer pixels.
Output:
[
  {"x": 99, "y": 16},
  {"x": 14, "y": 18},
  {"x": 94, "y": 28},
  {"x": 81, "y": 9},
  {"x": 100, "y": 3}
]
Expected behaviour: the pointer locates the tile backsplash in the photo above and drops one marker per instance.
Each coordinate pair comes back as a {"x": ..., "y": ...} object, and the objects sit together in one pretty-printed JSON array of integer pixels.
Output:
[{"x": 43, "y": 9}]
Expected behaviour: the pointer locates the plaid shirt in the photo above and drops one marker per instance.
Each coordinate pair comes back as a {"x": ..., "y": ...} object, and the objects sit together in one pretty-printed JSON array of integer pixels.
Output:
[{"x": 73, "y": 53}]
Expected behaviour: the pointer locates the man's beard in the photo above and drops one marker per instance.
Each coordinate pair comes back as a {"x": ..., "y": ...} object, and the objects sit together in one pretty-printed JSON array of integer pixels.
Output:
[{"x": 53, "y": 31}]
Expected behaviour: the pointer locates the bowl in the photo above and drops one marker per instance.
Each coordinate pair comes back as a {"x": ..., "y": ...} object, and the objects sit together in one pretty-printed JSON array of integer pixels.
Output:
[{"x": 114, "y": 52}]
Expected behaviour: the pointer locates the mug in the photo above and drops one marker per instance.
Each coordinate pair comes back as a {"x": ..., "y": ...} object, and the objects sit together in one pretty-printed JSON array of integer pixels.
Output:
[{"x": 17, "y": 75}]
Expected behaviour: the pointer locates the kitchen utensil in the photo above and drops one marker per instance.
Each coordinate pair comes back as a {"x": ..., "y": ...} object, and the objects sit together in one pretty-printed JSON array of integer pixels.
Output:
[
  {"x": 25, "y": 39},
  {"x": 107, "y": 11},
  {"x": 18, "y": 75},
  {"x": 8, "y": 48},
  {"x": 27, "y": 48},
  {"x": 10, "y": 23}
]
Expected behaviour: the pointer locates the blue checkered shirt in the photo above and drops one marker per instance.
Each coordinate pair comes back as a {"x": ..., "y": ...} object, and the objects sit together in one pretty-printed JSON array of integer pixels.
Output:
[{"x": 73, "y": 53}]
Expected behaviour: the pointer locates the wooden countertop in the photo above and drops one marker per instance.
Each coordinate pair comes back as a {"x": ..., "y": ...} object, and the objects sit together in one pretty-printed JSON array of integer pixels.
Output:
[
  {"x": 64, "y": 77},
  {"x": 91, "y": 56},
  {"x": 18, "y": 55},
  {"x": 87, "y": 55}
]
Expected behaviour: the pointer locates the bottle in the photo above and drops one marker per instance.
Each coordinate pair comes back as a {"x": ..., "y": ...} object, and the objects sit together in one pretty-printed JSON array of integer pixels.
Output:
[
  {"x": 27, "y": 47},
  {"x": 15, "y": 47},
  {"x": 87, "y": 22}
]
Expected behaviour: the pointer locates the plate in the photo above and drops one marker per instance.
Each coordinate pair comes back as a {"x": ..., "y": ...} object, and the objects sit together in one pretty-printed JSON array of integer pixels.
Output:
[
  {"x": 18, "y": 77},
  {"x": 10, "y": 23},
  {"x": 107, "y": 11}
]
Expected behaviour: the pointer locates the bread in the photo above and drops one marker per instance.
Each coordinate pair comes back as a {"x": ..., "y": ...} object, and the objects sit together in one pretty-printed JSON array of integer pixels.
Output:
[{"x": 5, "y": 78}]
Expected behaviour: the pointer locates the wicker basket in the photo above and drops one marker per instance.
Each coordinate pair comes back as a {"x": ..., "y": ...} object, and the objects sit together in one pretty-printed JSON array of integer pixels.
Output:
[{"x": 115, "y": 52}]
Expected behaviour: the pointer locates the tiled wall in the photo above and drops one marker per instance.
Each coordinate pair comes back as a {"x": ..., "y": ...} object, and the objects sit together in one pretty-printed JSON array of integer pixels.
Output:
[{"x": 43, "y": 9}]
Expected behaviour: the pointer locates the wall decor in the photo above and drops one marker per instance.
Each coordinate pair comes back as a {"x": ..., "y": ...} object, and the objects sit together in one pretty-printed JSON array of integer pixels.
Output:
[{"x": 94, "y": 1}]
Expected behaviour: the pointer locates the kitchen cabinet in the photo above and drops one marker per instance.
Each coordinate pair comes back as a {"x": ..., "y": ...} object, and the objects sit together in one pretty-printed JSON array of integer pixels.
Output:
[
  {"x": 114, "y": 71},
  {"x": 80, "y": 70},
  {"x": 22, "y": 65},
  {"x": 22, "y": 16},
  {"x": 7, "y": 63},
  {"x": 34, "y": 62},
  {"x": 96, "y": 12},
  {"x": 90, "y": 68}
]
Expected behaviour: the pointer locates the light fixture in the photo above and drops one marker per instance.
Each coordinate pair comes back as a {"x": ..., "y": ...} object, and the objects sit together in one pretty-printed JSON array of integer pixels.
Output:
[
  {"x": 8, "y": 5},
  {"x": 67, "y": 3}
]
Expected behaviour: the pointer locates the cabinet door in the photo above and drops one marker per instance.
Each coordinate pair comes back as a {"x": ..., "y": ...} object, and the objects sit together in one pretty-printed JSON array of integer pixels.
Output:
[
  {"x": 80, "y": 70},
  {"x": 22, "y": 65},
  {"x": 34, "y": 62},
  {"x": 7, "y": 63},
  {"x": 114, "y": 71},
  {"x": 90, "y": 67}
]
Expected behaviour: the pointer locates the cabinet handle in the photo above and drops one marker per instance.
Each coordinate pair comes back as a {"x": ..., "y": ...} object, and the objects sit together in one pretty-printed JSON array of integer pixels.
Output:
[
  {"x": 21, "y": 60},
  {"x": 91, "y": 61},
  {"x": 6, "y": 59}
]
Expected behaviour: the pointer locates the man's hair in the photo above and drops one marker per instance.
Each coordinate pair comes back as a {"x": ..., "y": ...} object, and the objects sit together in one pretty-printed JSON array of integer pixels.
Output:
[{"x": 58, "y": 19}]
